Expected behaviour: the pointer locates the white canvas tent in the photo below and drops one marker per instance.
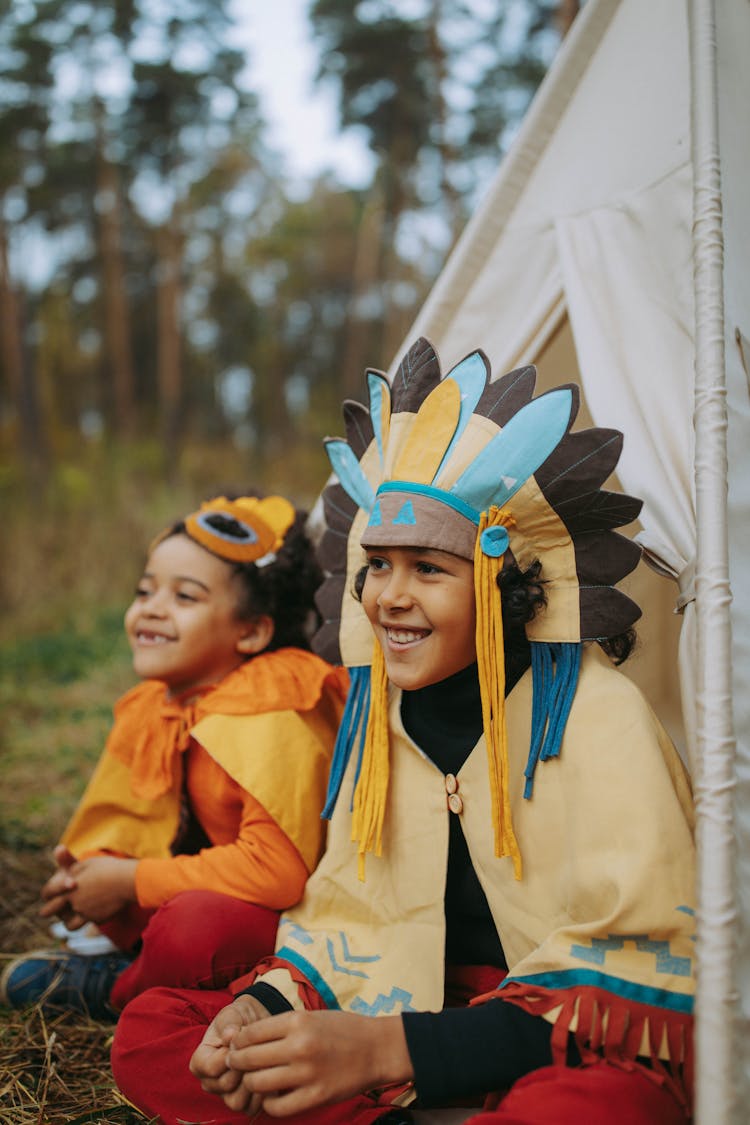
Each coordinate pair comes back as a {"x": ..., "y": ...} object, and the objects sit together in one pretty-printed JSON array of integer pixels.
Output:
[{"x": 614, "y": 248}]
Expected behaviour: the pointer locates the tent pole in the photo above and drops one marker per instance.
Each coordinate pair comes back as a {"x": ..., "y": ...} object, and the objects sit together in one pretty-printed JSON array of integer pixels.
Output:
[{"x": 717, "y": 901}]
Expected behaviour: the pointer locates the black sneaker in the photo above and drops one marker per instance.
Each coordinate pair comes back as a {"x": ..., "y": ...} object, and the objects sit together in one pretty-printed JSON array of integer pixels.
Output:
[{"x": 60, "y": 981}]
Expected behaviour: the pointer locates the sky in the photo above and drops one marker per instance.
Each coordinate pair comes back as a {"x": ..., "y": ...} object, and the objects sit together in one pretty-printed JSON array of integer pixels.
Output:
[{"x": 302, "y": 118}]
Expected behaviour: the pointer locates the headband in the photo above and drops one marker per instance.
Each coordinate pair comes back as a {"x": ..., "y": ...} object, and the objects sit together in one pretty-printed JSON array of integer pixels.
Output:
[{"x": 260, "y": 527}]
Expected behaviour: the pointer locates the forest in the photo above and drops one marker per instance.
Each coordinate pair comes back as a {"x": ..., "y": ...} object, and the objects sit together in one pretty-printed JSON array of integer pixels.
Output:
[{"x": 161, "y": 291}]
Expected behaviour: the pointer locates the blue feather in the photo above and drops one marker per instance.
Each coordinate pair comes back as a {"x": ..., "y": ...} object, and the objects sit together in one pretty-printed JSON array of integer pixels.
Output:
[
  {"x": 516, "y": 452},
  {"x": 347, "y": 468},
  {"x": 378, "y": 388}
]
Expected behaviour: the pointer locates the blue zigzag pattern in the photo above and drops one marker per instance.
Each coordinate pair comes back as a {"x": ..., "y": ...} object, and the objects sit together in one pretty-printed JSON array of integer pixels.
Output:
[
  {"x": 397, "y": 1001},
  {"x": 348, "y": 957}
]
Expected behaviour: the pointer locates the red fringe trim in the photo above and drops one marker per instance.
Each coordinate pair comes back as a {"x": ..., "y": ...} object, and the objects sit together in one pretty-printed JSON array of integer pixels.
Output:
[{"x": 612, "y": 1028}]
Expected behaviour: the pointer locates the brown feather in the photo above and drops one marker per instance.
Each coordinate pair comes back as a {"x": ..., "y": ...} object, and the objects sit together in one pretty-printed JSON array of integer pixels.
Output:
[
  {"x": 505, "y": 397},
  {"x": 417, "y": 374}
]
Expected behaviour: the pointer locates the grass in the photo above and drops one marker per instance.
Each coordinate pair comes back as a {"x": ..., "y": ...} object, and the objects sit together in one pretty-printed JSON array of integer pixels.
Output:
[
  {"x": 56, "y": 697},
  {"x": 53, "y": 1071}
]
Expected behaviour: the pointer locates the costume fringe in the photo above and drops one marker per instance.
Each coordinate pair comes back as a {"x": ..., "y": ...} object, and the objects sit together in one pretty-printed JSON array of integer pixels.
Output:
[
  {"x": 491, "y": 664},
  {"x": 353, "y": 720},
  {"x": 554, "y": 670},
  {"x": 613, "y": 1028},
  {"x": 371, "y": 791}
]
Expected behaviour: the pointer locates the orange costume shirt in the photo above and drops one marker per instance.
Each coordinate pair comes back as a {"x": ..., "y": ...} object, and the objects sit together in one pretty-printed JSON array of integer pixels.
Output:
[{"x": 249, "y": 756}]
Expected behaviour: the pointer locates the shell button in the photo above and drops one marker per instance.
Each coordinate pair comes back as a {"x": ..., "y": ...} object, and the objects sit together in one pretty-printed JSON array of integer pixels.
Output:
[{"x": 455, "y": 804}]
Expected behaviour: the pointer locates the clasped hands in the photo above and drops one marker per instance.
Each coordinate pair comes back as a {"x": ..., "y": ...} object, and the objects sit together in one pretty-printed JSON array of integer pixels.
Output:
[
  {"x": 296, "y": 1061},
  {"x": 87, "y": 890}
]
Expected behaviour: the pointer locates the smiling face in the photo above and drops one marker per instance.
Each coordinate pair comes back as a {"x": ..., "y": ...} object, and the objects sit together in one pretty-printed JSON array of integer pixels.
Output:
[
  {"x": 183, "y": 626},
  {"x": 420, "y": 603}
]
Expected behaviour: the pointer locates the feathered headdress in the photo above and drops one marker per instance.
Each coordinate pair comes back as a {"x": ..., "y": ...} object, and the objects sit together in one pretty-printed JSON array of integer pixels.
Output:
[{"x": 472, "y": 467}]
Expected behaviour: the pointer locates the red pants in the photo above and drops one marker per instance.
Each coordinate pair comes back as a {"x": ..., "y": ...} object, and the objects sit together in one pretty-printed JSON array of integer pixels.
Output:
[
  {"x": 199, "y": 939},
  {"x": 159, "y": 1031}
]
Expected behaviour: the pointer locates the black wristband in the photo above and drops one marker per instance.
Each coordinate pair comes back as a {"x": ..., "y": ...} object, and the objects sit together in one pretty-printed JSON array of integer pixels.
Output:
[{"x": 270, "y": 997}]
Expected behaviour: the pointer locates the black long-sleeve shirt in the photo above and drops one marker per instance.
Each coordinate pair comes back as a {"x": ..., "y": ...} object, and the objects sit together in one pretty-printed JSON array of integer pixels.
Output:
[{"x": 463, "y": 1052}]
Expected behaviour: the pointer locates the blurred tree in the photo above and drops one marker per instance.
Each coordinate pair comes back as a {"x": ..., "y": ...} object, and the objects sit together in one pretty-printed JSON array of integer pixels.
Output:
[
  {"x": 381, "y": 65},
  {"x": 25, "y": 90},
  {"x": 521, "y": 38},
  {"x": 116, "y": 314},
  {"x": 168, "y": 284},
  {"x": 187, "y": 107},
  {"x": 300, "y": 277},
  {"x": 437, "y": 92}
]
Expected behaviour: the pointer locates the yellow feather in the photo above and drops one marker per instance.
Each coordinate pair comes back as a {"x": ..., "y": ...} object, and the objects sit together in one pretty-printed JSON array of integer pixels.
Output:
[{"x": 430, "y": 435}]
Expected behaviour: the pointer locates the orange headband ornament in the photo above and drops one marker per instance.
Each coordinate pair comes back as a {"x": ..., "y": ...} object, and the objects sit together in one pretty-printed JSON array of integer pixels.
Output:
[{"x": 263, "y": 525}]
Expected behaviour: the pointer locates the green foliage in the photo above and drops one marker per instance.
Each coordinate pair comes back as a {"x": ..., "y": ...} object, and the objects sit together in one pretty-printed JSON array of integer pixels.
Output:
[
  {"x": 66, "y": 655},
  {"x": 56, "y": 694}
]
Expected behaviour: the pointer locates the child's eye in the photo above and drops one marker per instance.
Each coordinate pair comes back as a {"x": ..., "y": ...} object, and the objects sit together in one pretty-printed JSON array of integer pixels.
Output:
[
  {"x": 142, "y": 591},
  {"x": 183, "y": 597},
  {"x": 428, "y": 568},
  {"x": 375, "y": 563}
]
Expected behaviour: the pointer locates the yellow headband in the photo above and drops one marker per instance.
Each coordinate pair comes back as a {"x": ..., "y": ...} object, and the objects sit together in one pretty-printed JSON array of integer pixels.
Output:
[{"x": 263, "y": 525}]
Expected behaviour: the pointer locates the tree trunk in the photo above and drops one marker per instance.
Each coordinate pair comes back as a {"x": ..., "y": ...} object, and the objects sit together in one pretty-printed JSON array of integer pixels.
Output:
[
  {"x": 19, "y": 375},
  {"x": 168, "y": 347},
  {"x": 365, "y": 279},
  {"x": 117, "y": 324},
  {"x": 450, "y": 197}
]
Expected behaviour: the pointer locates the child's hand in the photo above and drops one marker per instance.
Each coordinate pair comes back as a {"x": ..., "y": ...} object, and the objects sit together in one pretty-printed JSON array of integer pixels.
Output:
[
  {"x": 302, "y": 1060},
  {"x": 209, "y": 1061},
  {"x": 62, "y": 857},
  {"x": 55, "y": 892},
  {"x": 103, "y": 885}
]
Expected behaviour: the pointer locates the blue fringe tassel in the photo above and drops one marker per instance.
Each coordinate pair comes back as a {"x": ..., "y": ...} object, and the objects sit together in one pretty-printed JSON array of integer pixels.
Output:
[
  {"x": 554, "y": 672},
  {"x": 356, "y": 711}
]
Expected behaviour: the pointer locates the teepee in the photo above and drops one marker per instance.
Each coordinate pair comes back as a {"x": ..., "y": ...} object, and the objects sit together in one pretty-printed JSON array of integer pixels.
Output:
[{"x": 614, "y": 248}]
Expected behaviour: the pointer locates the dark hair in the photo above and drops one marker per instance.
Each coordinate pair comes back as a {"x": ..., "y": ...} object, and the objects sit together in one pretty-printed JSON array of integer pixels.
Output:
[
  {"x": 282, "y": 589},
  {"x": 522, "y": 594},
  {"x": 619, "y": 648}
]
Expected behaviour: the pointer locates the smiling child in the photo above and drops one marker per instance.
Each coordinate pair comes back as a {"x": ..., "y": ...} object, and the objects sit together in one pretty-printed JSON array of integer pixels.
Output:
[
  {"x": 202, "y": 819},
  {"x": 503, "y": 914}
]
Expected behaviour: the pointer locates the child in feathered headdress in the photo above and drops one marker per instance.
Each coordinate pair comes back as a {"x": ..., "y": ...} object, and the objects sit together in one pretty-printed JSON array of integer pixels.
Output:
[
  {"x": 201, "y": 821},
  {"x": 508, "y": 881}
]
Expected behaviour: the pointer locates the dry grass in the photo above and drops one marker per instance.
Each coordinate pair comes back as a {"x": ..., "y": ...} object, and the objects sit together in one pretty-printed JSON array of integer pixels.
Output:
[
  {"x": 53, "y": 1071},
  {"x": 56, "y": 695}
]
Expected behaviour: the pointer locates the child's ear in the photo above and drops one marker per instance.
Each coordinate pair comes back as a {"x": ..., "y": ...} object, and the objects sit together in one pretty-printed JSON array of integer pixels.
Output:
[{"x": 257, "y": 636}]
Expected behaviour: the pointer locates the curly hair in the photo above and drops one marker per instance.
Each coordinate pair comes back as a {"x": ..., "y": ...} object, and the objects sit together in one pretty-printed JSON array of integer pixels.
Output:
[{"x": 282, "y": 589}]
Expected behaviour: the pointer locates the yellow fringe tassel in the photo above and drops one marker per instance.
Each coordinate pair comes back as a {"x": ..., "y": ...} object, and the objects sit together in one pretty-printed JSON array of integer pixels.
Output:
[
  {"x": 372, "y": 787},
  {"x": 491, "y": 661}
]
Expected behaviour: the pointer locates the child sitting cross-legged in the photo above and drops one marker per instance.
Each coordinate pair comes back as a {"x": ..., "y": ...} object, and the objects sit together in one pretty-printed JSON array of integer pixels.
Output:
[
  {"x": 202, "y": 819},
  {"x": 502, "y": 918}
]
